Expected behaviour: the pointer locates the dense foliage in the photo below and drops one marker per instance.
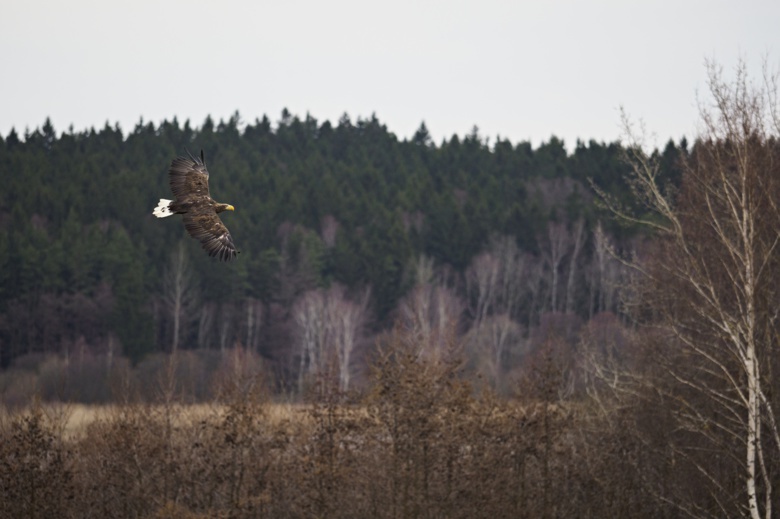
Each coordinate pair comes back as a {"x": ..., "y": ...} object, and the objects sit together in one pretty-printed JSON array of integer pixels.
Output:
[{"x": 83, "y": 263}]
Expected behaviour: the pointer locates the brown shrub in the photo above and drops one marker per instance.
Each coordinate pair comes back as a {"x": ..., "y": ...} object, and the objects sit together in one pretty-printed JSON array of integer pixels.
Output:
[
  {"x": 36, "y": 476},
  {"x": 420, "y": 442}
]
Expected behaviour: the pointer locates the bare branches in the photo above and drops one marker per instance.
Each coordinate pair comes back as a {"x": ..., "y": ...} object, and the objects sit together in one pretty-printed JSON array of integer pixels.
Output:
[
  {"x": 710, "y": 277},
  {"x": 181, "y": 294},
  {"x": 328, "y": 327}
]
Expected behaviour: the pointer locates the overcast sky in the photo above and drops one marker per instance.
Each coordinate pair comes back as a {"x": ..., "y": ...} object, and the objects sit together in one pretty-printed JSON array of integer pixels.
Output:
[{"x": 522, "y": 70}]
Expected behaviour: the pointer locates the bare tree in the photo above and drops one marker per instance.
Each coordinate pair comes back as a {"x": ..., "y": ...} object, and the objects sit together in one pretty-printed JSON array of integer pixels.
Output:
[
  {"x": 481, "y": 284},
  {"x": 494, "y": 280},
  {"x": 533, "y": 282},
  {"x": 492, "y": 343},
  {"x": 254, "y": 319},
  {"x": 495, "y": 287},
  {"x": 554, "y": 247},
  {"x": 578, "y": 235},
  {"x": 181, "y": 294},
  {"x": 598, "y": 270},
  {"x": 308, "y": 315},
  {"x": 328, "y": 327},
  {"x": 606, "y": 274},
  {"x": 347, "y": 318},
  {"x": 712, "y": 280},
  {"x": 431, "y": 313},
  {"x": 513, "y": 270}
]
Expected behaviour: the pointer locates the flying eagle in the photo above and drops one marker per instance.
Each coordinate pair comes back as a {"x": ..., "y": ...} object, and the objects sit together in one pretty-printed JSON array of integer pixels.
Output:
[{"x": 189, "y": 181}]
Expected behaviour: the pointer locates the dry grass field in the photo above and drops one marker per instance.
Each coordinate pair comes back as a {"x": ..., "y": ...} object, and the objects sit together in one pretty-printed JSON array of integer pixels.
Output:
[{"x": 73, "y": 420}]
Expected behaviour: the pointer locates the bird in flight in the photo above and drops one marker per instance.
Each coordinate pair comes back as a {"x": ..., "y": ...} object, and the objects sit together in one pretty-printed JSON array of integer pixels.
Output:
[{"x": 189, "y": 181}]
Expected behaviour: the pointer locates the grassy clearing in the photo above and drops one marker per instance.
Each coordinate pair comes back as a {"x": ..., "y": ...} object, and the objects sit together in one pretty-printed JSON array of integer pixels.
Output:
[{"x": 73, "y": 420}]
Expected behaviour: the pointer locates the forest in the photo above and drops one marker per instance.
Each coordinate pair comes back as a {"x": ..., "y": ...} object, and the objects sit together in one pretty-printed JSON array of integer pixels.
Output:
[
  {"x": 500, "y": 236},
  {"x": 469, "y": 328}
]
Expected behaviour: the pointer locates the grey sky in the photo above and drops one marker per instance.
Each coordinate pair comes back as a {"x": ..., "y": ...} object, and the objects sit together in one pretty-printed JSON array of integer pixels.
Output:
[{"x": 521, "y": 70}]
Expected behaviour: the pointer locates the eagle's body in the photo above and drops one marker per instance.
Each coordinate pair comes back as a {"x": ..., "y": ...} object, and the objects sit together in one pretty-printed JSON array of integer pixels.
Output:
[{"x": 189, "y": 181}]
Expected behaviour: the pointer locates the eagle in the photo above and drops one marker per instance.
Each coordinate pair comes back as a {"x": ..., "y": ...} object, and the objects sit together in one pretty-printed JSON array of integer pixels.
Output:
[{"x": 189, "y": 181}]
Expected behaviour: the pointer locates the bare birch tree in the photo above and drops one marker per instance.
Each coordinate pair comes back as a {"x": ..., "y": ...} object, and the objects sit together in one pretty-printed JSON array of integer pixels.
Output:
[
  {"x": 481, "y": 285},
  {"x": 492, "y": 343},
  {"x": 494, "y": 280},
  {"x": 712, "y": 280},
  {"x": 308, "y": 315},
  {"x": 347, "y": 318},
  {"x": 181, "y": 294},
  {"x": 604, "y": 273},
  {"x": 512, "y": 272},
  {"x": 328, "y": 327},
  {"x": 578, "y": 235},
  {"x": 495, "y": 287},
  {"x": 554, "y": 248},
  {"x": 253, "y": 324},
  {"x": 431, "y": 313}
]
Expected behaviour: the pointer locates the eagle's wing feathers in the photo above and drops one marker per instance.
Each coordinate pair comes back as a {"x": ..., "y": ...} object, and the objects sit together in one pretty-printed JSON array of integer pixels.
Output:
[
  {"x": 206, "y": 227},
  {"x": 189, "y": 180}
]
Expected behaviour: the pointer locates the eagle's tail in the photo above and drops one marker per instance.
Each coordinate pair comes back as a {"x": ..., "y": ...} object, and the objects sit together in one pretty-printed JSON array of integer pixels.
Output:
[{"x": 163, "y": 209}]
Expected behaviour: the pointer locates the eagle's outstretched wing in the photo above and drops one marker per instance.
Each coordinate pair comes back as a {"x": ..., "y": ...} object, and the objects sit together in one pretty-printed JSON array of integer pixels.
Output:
[
  {"x": 206, "y": 227},
  {"x": 189, "y": 180}
]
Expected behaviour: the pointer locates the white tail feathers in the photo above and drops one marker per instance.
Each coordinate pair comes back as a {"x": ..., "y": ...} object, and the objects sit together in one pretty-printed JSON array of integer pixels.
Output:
[{"x": 162, "y": 210}]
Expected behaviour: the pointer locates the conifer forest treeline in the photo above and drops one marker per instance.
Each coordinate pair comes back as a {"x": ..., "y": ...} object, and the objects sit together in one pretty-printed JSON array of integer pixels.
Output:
[{"x": 489, "y": 238}]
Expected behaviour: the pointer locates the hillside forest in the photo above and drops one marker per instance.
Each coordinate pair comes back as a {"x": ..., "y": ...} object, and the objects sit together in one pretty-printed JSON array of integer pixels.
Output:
[
  {"x": 471, "y": 328},
  {"x": 478, "y": 238}
]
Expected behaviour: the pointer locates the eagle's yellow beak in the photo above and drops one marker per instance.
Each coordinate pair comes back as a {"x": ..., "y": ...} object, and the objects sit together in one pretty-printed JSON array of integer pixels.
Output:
[{"x": 230, "y": 208}]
